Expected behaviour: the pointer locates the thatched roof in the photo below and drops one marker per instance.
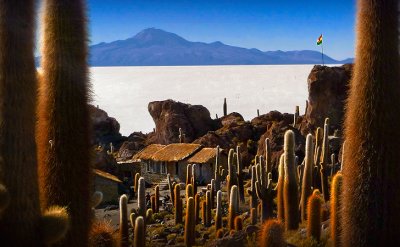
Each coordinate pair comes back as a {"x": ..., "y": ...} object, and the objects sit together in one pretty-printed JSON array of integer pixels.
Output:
[
  {"x": 106, "y": 175},
  {"x": 176, "y": 152},
  {"x": 203, "y": 156},
  {"x": 148, "y": 152}
]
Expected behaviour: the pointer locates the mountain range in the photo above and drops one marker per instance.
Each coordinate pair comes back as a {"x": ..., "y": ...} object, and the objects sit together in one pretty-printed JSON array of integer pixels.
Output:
[{"x": 156, "y": 47}]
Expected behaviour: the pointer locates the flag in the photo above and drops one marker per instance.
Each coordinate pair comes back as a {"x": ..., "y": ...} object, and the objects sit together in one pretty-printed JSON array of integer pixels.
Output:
[{"x": 319, "y": 40}]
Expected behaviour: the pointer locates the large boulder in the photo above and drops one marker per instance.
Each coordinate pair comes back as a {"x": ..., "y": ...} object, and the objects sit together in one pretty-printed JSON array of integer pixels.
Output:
[
  {"x": 170, "y": 115},
  {"x": 136, "y": 142},
  {"x": 327, "y": 92},
  {"x": 105, "y": 129}
]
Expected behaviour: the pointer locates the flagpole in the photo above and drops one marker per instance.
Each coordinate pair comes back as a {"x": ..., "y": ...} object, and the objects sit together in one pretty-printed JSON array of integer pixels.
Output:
[{"x": 322, "y": 54}]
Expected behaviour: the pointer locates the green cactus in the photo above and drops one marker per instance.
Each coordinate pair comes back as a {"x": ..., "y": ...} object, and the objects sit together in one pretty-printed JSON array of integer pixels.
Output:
[
  {"x": 204, "y": 212},
  {"x": 178, "y": 204},
  {"x": 189, "y": 191},
  {"x": 336, "y": 205},
  {"x": 132, "y": 219},
  {"x": 141, "y": 197},
  {"x": 314, "y": 217},
  {"x": 239, "y": 175},
  {"x": 212, "y": 192},
  {"x": 252, "y": 190},
  {"x": 271, "y": 234},
  {"x": 324, "y": 161},
  {"x": 171, "y": 189},
  {"x": 290, "y": 188},
  {"x": 225, "y": 108},
  {"x": 253, "y": 216},
  {"x": 264, "y": 189},
  {"x": 231, "y": 178},
  {"x": 238, "y": 223},
  {"x": 139, "y": 239},
  {"x": 209, "y": 207},
  {"x": 123, "y": 221},
  {"x": 193, "y": 180},
  {"x": 149, "y": 216},
  {"x": 188, "y": 174},
  {"x": 217, "y": 172},
  {"x": 306, "y": 189},
  {"x": 197, "y": 208},
  {"x": 296, "y": 115},
  {"x": 190, "y": 223},
  {"x": 153, "y": 203},
  {"x": 280, "y": 186},
  {"x": 218, "y": 214},
  {"x": 19, "y": 193},
  {"x": 136, "y": 185},
  {"x": 157, "y": 199},
  {"x": 233, "y": 207},
  {"x": 268, "y": 153}
]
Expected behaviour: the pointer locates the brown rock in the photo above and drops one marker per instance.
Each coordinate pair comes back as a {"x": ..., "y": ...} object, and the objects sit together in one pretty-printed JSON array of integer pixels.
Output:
[
  {"x": 327, "y": 88},
  {"x": 170, "y": 115}
]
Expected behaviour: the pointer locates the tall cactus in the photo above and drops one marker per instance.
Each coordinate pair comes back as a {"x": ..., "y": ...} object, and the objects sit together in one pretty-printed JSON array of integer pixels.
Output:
[
  {"x": 194, "y": 177},
  {"x": 171, "y": 188},
  {"x": 238, "y": 223},
  {"x": 314, "y": 217},
  {"x": 218, "y": 214},
  {"x": 141, "y": 198},
  {"x": 157, "y": 198},
  {"x": 253, "y": 216},
  {"x": 233, "y": 207},
  {"x": 139, "y": 238},
  {"x": 189, "y": 174},
  {"x": 290, "y": 191},
  {"x": 178, "y": 204},
  {"x": 268, "y": 159},
  {"x": 217, "y": 172},
  {"x": 232, "y": 179},
  {"x": 189, "y": 191},
  {"x": 209, "y": 207},
  {"x": 264, "y": 188},
  {"x": 371, "y": 203},
  {"x": 123, "y": 221},
  {"x": 280, "y": 186},
  {"x": 324, "y": 161},
  {"x": 19, "y": 194},
  {"x": 136, "y": 185},
  {"x": 204, "y": 212},
  {"x": 306, "y": 189},
  {"x": 225, "y": 108},
  {"x": 212, "y": 193},
  {"x": 336, "y": 215},
  {"x": 240, "y": 176},
  {"x": 197, "y": 208},
  {"x": 190, "y": 223},
  {"x": 271, "y": 234},
  {"x": 252, "y": 190},
  {"x": 63, "y": 114}
]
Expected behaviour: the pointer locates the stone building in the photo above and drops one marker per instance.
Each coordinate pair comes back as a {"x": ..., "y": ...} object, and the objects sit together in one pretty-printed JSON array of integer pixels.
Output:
[{"x": 108, "y": 185}]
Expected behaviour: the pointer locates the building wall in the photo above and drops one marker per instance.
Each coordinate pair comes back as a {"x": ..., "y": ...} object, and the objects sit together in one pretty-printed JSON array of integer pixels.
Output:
[{"x": 109, "y": 189}]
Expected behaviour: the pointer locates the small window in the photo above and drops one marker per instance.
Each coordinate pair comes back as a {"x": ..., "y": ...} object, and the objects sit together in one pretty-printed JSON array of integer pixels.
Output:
[
  {"x": 147, "y": 166},
  {"x": 163, "y": 168}
]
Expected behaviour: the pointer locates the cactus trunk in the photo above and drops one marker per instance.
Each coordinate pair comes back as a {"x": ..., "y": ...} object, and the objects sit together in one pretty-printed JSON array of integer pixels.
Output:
[
  {"x": 190, "y": 223},
  {"x": 306, "y": 189},
  {"x": 139, "y": 238},
  {"x": 336, "y": 215},
  {"x": 178, "y": 204},
  {"x": 123, "y": 221},
  {"x": 141, "y": 198}
]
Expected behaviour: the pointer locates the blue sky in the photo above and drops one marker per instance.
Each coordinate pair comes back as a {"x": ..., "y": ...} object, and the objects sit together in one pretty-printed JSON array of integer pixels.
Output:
[{"x": 266, "y": 25}]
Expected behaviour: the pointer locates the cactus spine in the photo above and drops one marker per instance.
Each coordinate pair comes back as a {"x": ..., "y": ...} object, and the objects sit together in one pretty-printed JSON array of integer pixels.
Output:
[
  {"x": 306, "y": 189},
  {"x": 336, "y": 204},
  {"x": 123, "y": 221},
  {"x": 233, "y": 206},
  {"x": 264, "y": 188},
  {"x": 157, "y": 199},
  {"x": 290, "y": 192},
  {"x": 139, "y": 239},
  {"x": 178, "y": 204},
  {"x": 239, "y": 175},
  {"x": 281, "y": 181},
  {"x": 64, "y": 116},
  {"x": 218, "y": 215},
  {"x": 190, "y": 223},
  {"x": 141, "y": 198},
  {"x": 371, "y": 203},
  {"x": 314, "y": 217},
  {"x": 271, "y": 234},
  {"x": 231, "y": 179}
]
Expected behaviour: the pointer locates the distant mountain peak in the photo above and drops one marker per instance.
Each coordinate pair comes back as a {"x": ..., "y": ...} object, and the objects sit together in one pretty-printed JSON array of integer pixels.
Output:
[{"x": 155, "y": 36}]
